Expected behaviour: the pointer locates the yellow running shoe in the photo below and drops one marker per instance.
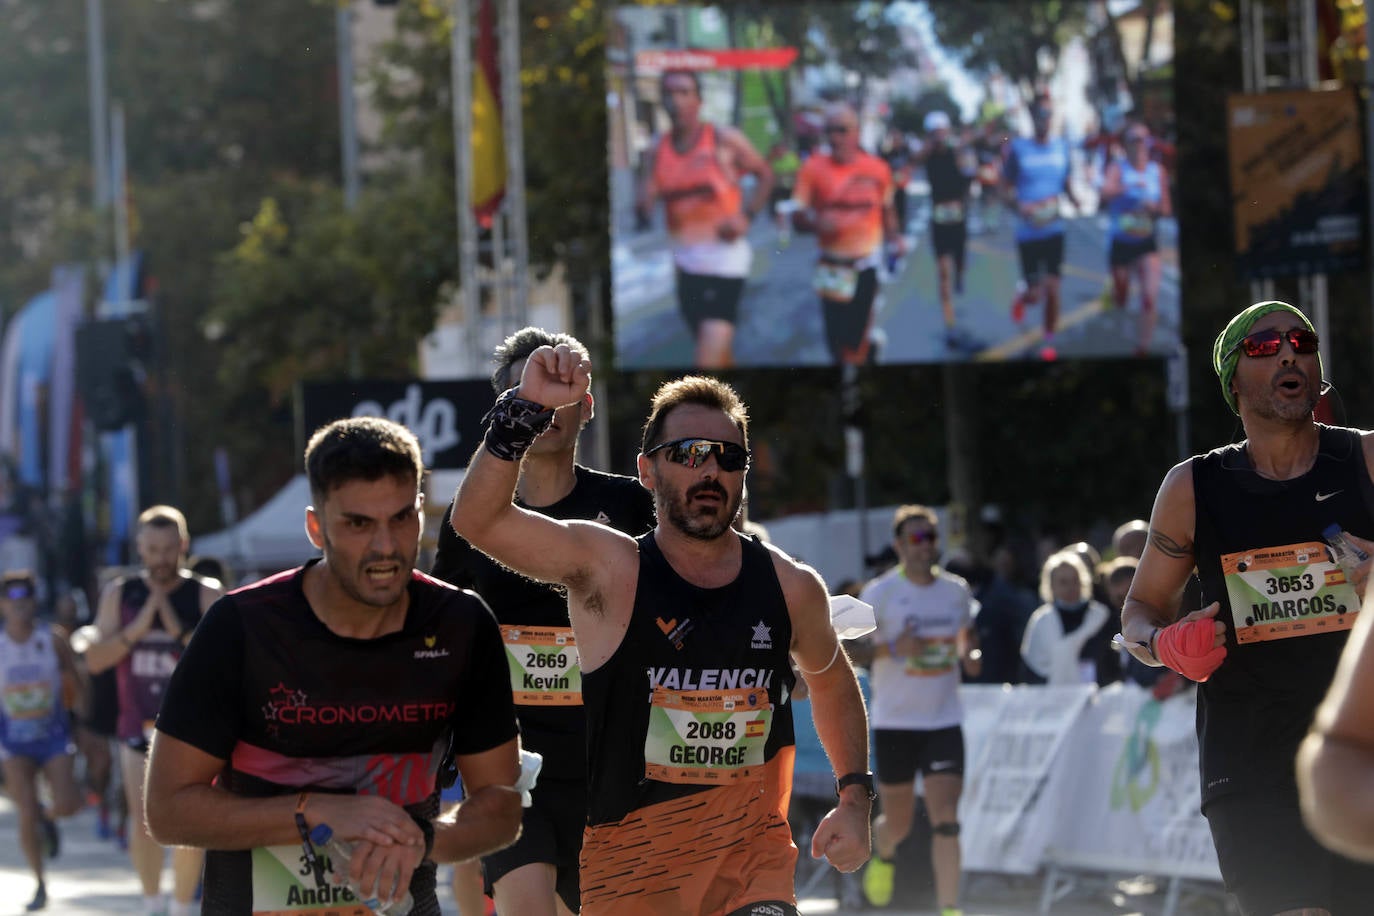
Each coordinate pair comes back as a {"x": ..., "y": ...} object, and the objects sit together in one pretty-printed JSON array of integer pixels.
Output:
[{"x": 878, "y": 876}]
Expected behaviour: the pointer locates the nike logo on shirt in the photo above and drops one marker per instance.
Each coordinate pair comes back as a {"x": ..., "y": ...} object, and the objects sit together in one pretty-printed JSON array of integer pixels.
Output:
[{"x": 1323, "y": 497}]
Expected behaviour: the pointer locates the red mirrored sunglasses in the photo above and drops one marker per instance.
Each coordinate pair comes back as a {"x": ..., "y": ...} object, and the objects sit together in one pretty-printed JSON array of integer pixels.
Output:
[{"x": 1267, "y": 343}]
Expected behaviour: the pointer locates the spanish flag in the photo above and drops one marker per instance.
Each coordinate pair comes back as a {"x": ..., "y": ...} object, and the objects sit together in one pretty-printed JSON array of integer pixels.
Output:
[{"x": 488, "y": 141}]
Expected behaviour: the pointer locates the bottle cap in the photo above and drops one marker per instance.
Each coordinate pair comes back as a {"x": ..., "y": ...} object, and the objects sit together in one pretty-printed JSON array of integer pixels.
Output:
[
  {"x": 1331, "y": 530},
  {"x": 321, "y": 834}
]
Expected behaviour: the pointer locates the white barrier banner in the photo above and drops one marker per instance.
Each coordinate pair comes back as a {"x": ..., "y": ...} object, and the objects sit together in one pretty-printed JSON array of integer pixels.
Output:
[
  {"x": 1013, "y": 738},
  {"x": 1130, "y": 797}
]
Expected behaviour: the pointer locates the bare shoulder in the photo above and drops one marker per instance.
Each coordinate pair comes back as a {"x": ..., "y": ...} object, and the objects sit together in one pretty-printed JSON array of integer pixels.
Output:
[
  {"x": 614, "y": 554},
  {"x": 1367, "y": 443},
  {"x": 799, "y": 581},
  {"x": 1174, "y": 516}
]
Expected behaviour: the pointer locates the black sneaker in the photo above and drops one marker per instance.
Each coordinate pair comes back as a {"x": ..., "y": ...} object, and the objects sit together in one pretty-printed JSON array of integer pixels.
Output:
[
  {"x": 52, "y": 840},
  {"x": 39, "y": 901}
]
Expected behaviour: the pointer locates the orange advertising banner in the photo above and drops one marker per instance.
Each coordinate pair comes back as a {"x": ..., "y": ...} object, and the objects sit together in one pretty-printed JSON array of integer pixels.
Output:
[{"x": 1297, "y": 182}]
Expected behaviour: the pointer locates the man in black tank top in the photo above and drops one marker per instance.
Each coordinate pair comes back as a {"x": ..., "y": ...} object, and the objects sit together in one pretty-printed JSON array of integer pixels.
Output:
[
  {"x": 684, "y": 636},
  {"x": 331, "y": 695},
  {"x": 1250, "y": 517},
  {"x": 143, "y": 622},
  {"x": 541, "y": 868}
]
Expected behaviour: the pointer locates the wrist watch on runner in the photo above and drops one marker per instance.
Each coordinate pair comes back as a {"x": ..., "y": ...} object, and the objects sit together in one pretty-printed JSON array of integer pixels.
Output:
[{"x": 856, "y": 779}]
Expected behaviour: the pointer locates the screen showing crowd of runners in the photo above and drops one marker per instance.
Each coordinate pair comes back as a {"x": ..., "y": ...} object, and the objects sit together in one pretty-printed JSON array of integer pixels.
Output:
[{"x": 936, "y": 210}]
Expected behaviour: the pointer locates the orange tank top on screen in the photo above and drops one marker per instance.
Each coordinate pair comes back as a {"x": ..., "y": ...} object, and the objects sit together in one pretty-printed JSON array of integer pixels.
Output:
[
  {"x": 696, "y": 192},
  {"x": 852, "y": 195}
]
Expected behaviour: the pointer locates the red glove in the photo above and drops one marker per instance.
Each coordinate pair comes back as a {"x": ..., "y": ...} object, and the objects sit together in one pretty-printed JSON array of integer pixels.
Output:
[{"x": 1189, "y": 646}]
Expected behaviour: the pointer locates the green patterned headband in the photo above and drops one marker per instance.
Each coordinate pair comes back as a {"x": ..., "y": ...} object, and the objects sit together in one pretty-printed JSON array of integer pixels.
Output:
[{"x": 1225, "y": 355}]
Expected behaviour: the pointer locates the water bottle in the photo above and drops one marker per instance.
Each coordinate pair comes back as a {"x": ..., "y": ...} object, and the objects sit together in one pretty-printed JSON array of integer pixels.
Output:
[
  {"x": 340, "y": 853},
  {"x": 1349, "y": 555}
]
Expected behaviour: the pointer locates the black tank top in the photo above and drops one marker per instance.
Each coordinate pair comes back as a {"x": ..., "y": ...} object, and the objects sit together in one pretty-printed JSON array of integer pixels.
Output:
[
  {"x": 547, "y": 693},
  {"x": 141, "y": 676},
  {"x": 726, "y": 647},
  {"x": 1286, "y": 606}
]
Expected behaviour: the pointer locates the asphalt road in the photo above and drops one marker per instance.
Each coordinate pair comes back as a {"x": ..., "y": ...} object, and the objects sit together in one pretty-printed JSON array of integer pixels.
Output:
[
  {"x": 780, "y": 321},
  {"x": 92, "y": 877}
]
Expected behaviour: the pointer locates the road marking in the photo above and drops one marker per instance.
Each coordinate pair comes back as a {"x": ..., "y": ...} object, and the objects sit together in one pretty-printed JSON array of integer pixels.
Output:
[{"x": 1026, "y": 339}]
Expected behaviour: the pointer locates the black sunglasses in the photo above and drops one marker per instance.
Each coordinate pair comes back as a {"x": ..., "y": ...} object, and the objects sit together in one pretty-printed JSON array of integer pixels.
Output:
[
  {"x": 837, "y": 128},
  {"x": 1267, "y": 343},
  {"x": 693, "y": 453}
]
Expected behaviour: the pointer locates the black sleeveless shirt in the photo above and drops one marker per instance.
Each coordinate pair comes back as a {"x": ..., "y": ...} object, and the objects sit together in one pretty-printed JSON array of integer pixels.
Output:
[
  {"x": 1286, "y": 606},
  {"x": 691, "y": 644}
]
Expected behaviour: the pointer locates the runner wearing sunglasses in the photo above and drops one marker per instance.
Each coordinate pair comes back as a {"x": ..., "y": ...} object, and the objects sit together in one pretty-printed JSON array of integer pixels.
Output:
[
  {"x": 846, "y": 197},
  {"x": 685, "y": 635},
  {"x": 1249, "y": 517}
]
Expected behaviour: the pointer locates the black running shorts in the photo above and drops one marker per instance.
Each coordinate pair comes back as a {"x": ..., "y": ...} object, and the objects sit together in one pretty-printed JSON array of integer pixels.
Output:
[
  {"x": 1270, "y": 863},
  {"x": 702, "y": 297},
  {"x": 898, "y": 753},
  {"x": 550, "y": 833}
]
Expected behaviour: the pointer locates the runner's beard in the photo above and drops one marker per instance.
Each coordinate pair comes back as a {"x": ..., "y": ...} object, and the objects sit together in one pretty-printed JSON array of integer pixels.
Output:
[{"x": 701, "y": 524}]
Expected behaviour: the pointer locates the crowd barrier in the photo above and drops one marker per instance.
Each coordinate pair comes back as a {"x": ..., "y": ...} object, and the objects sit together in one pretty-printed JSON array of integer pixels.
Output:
[{"x": 1081, "y": 778}]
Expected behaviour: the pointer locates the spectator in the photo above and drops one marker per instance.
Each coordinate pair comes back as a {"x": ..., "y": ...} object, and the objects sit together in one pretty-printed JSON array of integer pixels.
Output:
[
  {"x": 1005, "y": 609},
  {"x": 1068, "y": 638},
  {"x": 1130, "y": 538}
]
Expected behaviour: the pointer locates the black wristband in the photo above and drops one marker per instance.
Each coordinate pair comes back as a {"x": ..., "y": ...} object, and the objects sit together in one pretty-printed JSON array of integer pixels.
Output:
[{"x": 513, "y": 424}]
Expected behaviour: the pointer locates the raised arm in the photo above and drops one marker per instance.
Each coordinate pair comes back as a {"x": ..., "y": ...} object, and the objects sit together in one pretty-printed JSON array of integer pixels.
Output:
[
  {"x": 550, "y": 550},
  {"x": 838, "y": 709}
]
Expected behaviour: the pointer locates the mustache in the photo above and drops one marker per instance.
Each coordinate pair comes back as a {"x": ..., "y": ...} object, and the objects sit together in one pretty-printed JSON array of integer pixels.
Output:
[{"x": 706, "y": 486}]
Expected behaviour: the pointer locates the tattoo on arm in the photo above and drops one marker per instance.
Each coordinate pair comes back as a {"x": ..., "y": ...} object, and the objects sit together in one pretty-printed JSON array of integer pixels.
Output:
[{"x": 1169, "y": 547}]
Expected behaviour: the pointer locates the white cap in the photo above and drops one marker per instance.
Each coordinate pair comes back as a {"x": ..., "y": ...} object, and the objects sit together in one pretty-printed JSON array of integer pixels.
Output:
[{"x": 937, "y": 120}]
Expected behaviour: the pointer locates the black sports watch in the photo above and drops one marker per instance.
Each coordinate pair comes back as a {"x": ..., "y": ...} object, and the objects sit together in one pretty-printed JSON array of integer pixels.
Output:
[{"x": 856, "y": 779}]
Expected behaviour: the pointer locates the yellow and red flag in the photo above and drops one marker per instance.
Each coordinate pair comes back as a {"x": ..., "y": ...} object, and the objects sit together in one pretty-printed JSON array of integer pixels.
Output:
[{"x": 488, "y": 139}]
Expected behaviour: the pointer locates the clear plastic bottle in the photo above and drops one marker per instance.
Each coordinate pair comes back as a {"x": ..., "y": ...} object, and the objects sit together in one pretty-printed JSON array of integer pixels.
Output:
[
  {"x": 1349, "y": 555},
  {"x": 340, "y": 852}
]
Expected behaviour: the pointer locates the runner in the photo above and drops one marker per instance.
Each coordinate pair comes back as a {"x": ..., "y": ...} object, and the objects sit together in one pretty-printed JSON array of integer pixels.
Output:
[
  {"x": 695, "y": 169},
  {"x": 1136, "y": 189},
  {"x": 684, "y": 636},
  {"x": 845, "y": 196},
  {"x": 1250, "y": 518},
  {"x": 538, "y": 875},
  {"x": 328, "y": 695},
  {"x": 38, "y": 683},
  {"x": 925, "y": 636},
  {"x": 143, "y": 622},
  {"x": 950, "y": 170},
  {"x": 1035, "y": 175}
]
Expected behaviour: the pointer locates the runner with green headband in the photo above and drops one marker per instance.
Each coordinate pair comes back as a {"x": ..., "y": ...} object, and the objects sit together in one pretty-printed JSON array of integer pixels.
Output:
[{"x": 1249, "y": 517}]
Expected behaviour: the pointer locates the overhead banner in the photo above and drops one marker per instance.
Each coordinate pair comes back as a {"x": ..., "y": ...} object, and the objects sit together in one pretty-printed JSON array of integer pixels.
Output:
[
  {"x": 1297, "y": 183},
  {"x": 446, "y": 416}
]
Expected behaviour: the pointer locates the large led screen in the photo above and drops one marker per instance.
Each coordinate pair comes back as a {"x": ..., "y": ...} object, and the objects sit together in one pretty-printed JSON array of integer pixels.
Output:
[{"x": 909, "y": 182}]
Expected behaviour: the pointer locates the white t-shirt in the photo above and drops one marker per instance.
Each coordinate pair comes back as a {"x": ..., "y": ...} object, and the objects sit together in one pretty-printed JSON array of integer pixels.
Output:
[{"x": 919, "y": 693}]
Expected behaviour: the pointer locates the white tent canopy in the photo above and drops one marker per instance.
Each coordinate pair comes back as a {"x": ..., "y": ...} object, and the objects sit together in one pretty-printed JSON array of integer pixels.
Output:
[{"x": 268, "y": 541}]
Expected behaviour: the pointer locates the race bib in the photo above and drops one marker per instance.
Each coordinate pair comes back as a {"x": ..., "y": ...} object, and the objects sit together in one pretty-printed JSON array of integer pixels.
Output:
[
  {"x": 937, "y": 657},
  {"x": 1137, "y": 223},
  {"x": 283, "y": 883},
  {"x": 951, "y": 211},
  {"x": 1044, "y": 212},
  {"x": 33, "y": 701},
  {"x": 1283, "y": 592},
  {"x": 545, "y": 668},
  {"x": 836, "y": 282},
  {"x": 708, "y": 737}
]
